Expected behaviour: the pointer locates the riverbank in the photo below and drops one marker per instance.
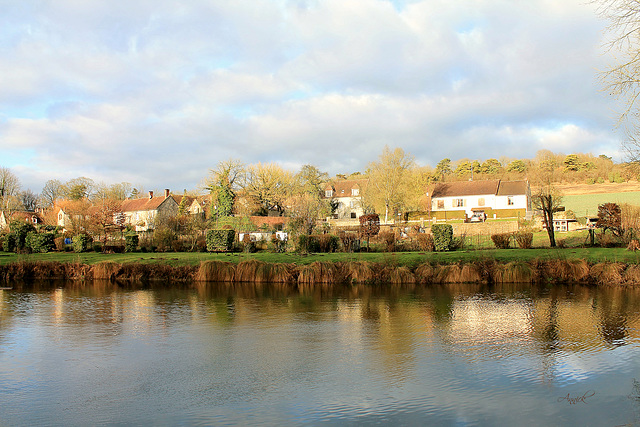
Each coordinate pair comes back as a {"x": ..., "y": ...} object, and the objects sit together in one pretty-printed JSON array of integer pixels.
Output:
[{"x": 596, "y": 266}]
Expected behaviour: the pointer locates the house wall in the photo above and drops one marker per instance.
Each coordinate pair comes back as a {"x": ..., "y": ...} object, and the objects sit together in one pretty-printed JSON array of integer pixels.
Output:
[
  {"x": 347, "y": 206},
  {"x": 469, "y": 202},
  {"x": 494, "y": 206}
]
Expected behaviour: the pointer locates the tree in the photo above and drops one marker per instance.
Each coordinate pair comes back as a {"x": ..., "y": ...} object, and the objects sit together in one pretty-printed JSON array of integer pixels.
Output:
[
  {"x": 622, "y": 79},
  {"x": 310, "y": 178},
  {"x": 369, "y": 226},
  {"x": 9, "y": 189},
  {"x": 518, "y": 166},
  {"x": 51, "y": 191},
  {"x": 464, "y": 168},
  {"x": 491, "y": 166},
  {"x": 29, "y": 200},
  {"x": 223, "y": 182},
  {"x": 78, "y": 188},
  {"x": 105, "y": 217},
  {"x": 548, "y": 199},
  {"x": 390, "y": 181},
  {"x": 268, "y": 186},
  {"x": 572, "y": 163},
  {"x": 610, "y": 218},
  {"x": 443, "y": 168},
  {"x": 304, "y": 209}
]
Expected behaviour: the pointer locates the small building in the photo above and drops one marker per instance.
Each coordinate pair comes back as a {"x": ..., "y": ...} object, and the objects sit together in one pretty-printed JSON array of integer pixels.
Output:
[
  {"x": 26, "y": 216},
  {"x": 493, "y": 198},
  {"x": 347, "y": 196},
  {"x": 565, "y": 224}
]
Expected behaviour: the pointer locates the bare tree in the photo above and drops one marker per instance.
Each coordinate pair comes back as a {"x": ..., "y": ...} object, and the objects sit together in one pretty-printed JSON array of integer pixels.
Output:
[
  {"x": 9, "y": 190},
  {"x": 51, "y": 191},
  {"x": 622, "y": 79},
  {"x": 29, "y": 200}
]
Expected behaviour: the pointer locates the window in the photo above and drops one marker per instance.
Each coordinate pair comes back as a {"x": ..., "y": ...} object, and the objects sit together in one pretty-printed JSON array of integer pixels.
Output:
[
  {"x": 458, "y": 203},
  {"x": 481, "y": 201},
  {"x": 440, "y": 204},
  {"x": 510, "y": 200},
  {"x": 353, "y": 215},
  {"x": 355, "y": 192},
  {"x": 328, "y": 193}
]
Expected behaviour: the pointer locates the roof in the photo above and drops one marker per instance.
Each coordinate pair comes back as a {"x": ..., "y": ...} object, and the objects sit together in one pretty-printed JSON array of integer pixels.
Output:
[
  {"x": 25, "y": 216},
  {"x": 465, "y": 188},
  {"x": 512, "y": 188},
  {"x": 143, "y": 204},
  {"x": 473, "y": 188},
  {"x": 343, "y": 187}
]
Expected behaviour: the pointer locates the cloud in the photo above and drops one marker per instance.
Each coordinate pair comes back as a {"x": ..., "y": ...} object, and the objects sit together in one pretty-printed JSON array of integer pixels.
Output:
[{"x": 157, "y": 92}]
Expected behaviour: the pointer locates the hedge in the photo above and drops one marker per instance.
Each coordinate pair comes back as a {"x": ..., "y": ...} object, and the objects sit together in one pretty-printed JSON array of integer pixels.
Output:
[
  {"x": 131, "y": 242},
  {"x": 40, "y": 242},
  {"x": 442, "y": 236},
  {"x": 80, "y": 243},
  {"x": 220, "y": 240},
  {"x": 9, "y": 242}
]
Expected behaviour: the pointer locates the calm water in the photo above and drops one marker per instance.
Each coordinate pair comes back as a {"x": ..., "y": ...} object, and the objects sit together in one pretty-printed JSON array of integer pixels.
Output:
[{"x": 247, "y": 355}]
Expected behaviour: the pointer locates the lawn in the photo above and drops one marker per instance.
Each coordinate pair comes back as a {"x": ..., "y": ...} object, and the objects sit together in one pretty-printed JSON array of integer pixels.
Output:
[
  {"x": 587, "y": 204},
  {"x": 395, "y": 258}
]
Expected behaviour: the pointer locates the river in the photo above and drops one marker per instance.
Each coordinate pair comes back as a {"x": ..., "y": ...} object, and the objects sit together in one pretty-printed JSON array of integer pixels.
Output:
[{"x": 225, "y": 354}]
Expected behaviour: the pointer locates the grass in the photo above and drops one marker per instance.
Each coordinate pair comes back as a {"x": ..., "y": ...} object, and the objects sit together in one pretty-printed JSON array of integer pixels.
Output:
[
  {"x": 587, "y": 204},
  {"x": 411, "y": 259}
]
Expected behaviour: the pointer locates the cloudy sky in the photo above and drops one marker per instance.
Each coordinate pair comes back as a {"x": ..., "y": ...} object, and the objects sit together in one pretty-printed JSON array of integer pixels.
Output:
[{"x": 157, "y": 92}]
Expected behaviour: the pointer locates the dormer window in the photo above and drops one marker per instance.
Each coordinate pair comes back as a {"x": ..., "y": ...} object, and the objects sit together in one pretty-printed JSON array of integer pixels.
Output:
[
  {"x": 355, "y": 192},
  {"x": 328, "y": 193}
]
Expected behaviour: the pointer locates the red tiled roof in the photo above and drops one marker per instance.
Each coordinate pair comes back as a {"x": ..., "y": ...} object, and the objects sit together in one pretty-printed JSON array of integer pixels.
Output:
[
  {"x": 343, "y": 187},
  {"x": 143, "y": 204}
]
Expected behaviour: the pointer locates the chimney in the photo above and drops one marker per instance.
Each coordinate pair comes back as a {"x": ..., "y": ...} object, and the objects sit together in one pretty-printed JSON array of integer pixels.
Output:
[
  {"x": 166, "y": 193},
  {"x": 151, "y": 194}
]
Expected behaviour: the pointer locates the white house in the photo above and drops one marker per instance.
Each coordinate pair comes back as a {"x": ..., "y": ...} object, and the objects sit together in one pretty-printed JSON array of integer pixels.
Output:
[
  {"x": 347, "y": 194},
  {"x": 142, "y": 213},
  {"x": 494, "y": 198}
]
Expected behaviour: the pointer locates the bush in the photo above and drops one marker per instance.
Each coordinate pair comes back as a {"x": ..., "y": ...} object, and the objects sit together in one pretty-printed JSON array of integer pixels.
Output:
[
  {"x": 20, "y": 230},
  {"x": 40, "y": 242},
  {"x": 277, "y": 245},
  {"x": 80, "y": 243},
  {"x": 350, "y": 242},
  {"x": 249, "y": 246},
  {"x": 328, "y": 242},
  {"x": 131, "y": 242},
  {"x": 97, "y": 247},
  {"x": 389, "y": 240},
  {"x": 59, "y": 242},
  {"x": 9, "y": 242},
  {"x": 425, "y": 242},
  {"x": 501, "y": 240},
  {"x": 307, "y": 243},
  {"x": 524, "y": 239},
  {"x": 442, "y": 236},
  {"x": 220, "y": 239}
]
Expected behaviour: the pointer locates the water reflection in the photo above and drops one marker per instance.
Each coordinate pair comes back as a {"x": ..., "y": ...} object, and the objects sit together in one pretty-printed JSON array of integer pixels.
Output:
[{"x": 451, "y": 353}]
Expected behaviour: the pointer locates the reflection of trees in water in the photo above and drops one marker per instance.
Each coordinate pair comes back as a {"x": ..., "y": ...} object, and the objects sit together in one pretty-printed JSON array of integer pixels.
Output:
[{"x": 614, "y": 306}]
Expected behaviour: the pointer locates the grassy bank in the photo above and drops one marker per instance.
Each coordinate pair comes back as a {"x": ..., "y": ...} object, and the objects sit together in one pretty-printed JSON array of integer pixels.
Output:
[
  {"x": 410, "y": 259},
  {"x": 600, "y": 266}
]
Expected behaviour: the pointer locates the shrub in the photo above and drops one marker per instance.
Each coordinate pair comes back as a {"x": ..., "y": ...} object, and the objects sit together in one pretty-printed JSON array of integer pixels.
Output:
[
  {"x": 131, "y": 242},
  {"x": 40, "y": 242},
  {"x": 350, "y": 242},
  {"x": 21, "y": 229},
  {"x": 9, "y": 242},
  {"x": 80, "y": 243},
  {"x": 524, "y": 239},
  {"x": 442, "y": 236},
  {"x": 97, "y": 247},
  {"x": 249, "y": 246},
  {"x": 308, "y": 243},
  {"x": 425, "y": 242},
  {"x": 501, "y": 240},
  {"x": 59, "y": 242},
  {"x": 389, "y": 240},
  {"x": 328, "y": 242},
  {"x": 277, "y": 245},
  {"x": 220, "y": 239}
]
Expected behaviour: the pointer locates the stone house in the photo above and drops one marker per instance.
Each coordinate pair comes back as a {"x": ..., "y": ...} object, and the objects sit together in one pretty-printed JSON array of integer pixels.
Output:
[{"x": 144, "y": 213}]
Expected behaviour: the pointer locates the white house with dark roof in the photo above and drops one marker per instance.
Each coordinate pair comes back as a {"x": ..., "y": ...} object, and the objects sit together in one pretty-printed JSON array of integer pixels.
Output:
[
  {"x": 493, "y": 198},
  {"x": 347, "y": 194}
]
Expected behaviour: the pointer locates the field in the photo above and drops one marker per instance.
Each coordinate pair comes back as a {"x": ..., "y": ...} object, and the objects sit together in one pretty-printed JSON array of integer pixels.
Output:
[{"x": 587, "y": 204}]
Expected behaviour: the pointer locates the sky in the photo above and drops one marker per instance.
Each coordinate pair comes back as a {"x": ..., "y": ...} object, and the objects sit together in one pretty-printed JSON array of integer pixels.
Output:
[{"x": 157, "y": 92}]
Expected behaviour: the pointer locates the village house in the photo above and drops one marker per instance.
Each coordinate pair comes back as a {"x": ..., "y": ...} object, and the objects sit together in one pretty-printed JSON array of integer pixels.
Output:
[
  {"x": 31, "y": 217},
  {"x": 143, "y": 213},
  {"x": 481, "y": 199},
  {"x": 347, "y": 196}
]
